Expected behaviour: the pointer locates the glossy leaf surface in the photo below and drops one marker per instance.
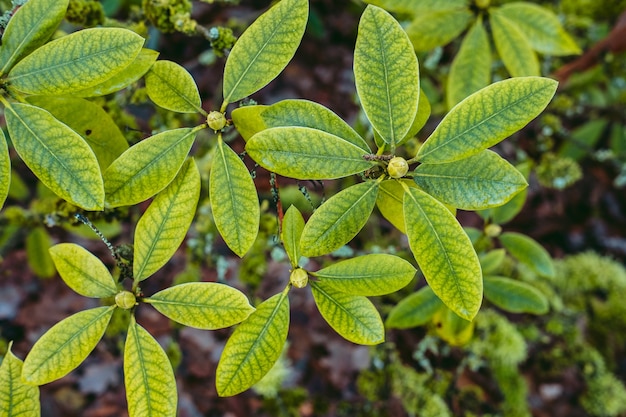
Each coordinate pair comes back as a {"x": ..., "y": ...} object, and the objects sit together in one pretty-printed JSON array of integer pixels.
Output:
[
  {"x": 354, "y": 317},
  {"x": 59, "y": 157},
  {"x": 66, "y": 345},
  {"x": 515, "y": 296},
  {"x": 254, "y": 347},
  {"x": 234, "y": 200},
  {"x": 415, "y": 310},
  {"x": 17, "y": 399},
  {"x": 437, "y": 28},
  {"x": 82, "y": 271},
  {"x": 529, "y": 252},
  {"x": 5, "y": 169},
  {"x": 164, "y": 225},
  {"x": 512, "y": 46},
  {"x": 292, "y": 227},
  {"x": 172, "y": 87},
  {"x": 444, "y": 253}
]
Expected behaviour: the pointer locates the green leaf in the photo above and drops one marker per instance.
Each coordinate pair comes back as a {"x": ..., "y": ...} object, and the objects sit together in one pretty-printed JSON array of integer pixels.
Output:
[
  {"x": 66, "y": 345},
  {"x": 305, "y": 153},
  {"x": 478, "y": 182},
  {"x": 368, "y": 275},
  {"x": 451, "y": 328},
  {"x": 38, "y": 242},
  {"x": 254, "y": 347},
  {"x": 541, "y": 27},
  {"x": 515, "y": 296},
  {"x": 412, "y": 6},
  {"x": 506, "y": 212},
  {"x": 528, "y": 252},
  {"x": 354, "y": 317},
  {"x": 491, "y": 261},
  {"x": 487, "y": 117},
  {"x": 5, "y": 169},
  {"x": 29, "y": 28},
  {"x": 582, "y": 140},
  {"x": 471, "y": 68},
  {"x": 386, "y": 75},
  {"x": 248, "y": 120},
  {"x": 292, "y": 227},
  {"x": 76, "y": 61},
  {"x": 90, "y": 121},
  {"x": 164, "y": 225},
  {"x": 147, "y": 167},
  {"x": 339, "y": 219},
  {"x": 133, "y": 72},
  {"x": 57, "y": 155},
  {"x": 234, "y": 200},
  {"x": 415, "y": 310},
  {"x": 264, "y": 49},
  {"x": 437, "y": 28},
  {"x": 203, "y": 305},
  {"x": 170, "y": 86},
  {"x": 17, "y": 399},
  {"x": 512, "y": 46},
  {"x": 148, "y": 376},
  {"x": 444, "y": 253},
  {"x": 82, "y": 271},
  {"x": 423, "y": 113}
]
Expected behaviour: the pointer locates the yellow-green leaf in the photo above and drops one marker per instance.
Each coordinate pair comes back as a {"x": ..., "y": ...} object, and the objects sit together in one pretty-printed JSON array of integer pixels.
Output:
[
  {"x": 487, "y": 117},
  {"x": 368, "y": 275},
  {"x": 90, "y": 121},
  {"x": 254, "y": 347},
  {"x": 38, "y": 242},
  {"x": 148, "y": 376},
  {"x": 264, "y": 49},
  {"x": 170, "y": 86},
  {"x": 437, "y": 28},
  {"x": 59, "y": 157},
  {"x": 164, "y": 225},
  {"x": 471, "y": 68},
  {"x": 234, "y": 200},
  {"x": 506, "y": 212},
  {"x": 452, "y": 328},
  {"x": 386, "y": 75},
  {"x": 416, "y": 7},
  {"x": 203, "y": 305},
  {"x": 17, "y": 399},
  {"x": 82, "y": 271},
  {"x": 423, "y": 113},
  {"x": 512, "y": 46},
  {"x": 390, "y": 201},
  {"x": 529, "y": 252},
  {"x": 515, "y": 296},
  {"x": 491, "y": 261},
  {"x": 29, "y": 28},
  {"x": 415, "y": 310},
  {"x": 76, "y": 61},
  {"x": 5, "y": 169},
  {"x": 147, "y": 167},
  {"x": 248, "y": 120},
  {"x": 339, "y": 219},
  {"x": 305, "y": 153},
  {"x": 66, "y": 345},
  {"x": 444, "y": 253},
  {"x": 354, "y": 317},
  {"x": 291, "y": 232}
]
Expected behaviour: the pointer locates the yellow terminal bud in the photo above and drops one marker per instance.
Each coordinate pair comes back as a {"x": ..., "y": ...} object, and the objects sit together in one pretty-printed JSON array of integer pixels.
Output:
[
  {"x": 299, "y": 278},
  {"x": 482, "y": 4},
  {"x": 493, "y": 230},
  {"x": 216, "y": 120},
  {"x": 398, "y": 167},
  {"x": 125, "y": 300}
]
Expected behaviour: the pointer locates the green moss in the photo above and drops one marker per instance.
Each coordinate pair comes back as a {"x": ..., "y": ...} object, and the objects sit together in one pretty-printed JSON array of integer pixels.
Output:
[
  {"x": 86, "y": 13},
  {"x": 170, "y": 15},
  {"x": 497, "y": 340},
  {"x": 558, "y": 172},
  {"x": 605, "y": 396}
]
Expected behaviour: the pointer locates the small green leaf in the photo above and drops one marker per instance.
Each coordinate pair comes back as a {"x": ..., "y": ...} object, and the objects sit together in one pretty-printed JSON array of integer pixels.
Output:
[
  {"x": 249, "y": 120},
  {"x": 264, "y": 49},
  {"x": 38, "y": 242},
  {"x": 444, "y": 253},
  {"x": 254, "y": 347},
  {"x": 506, "y": 212},
  {"x": 291, "y": 232},
  {"x": 66, "y": 345},
  {"x": 90, "y": 121},
  {"x": 390, "y": 201},
  {"x": 29, "y": 28},
  {"x": 354, "y": 317},
  {"x": 452, "y": 328},
  {"x": 471, "y": 68},
  {"x": 528, "y": 252},
  {"x": 203, "y": 305},
  {"x": 512, "y": 46},
  {"x": 339, "y": 219},
  {"x": 234, "y": 200},
  {"x": 417, "y": 7},
  {"x": 17, "y": 399},
  {"x": 478, "y": 182},
  {"x": 415, "y": 310},
  {"x": 147, "y": 167},
  {"x": 170, "y": 86},
  {"x": 437, "y": 28},
  {"x": 487, "y": 117},
  {"x": 82, "y": 271},
  {"x": 164, "y": 225},
  {"x": 515, "y": 296},
  {"x": 368, "y": 275},
  {"x": 5, "y": 169},
  {"x": 541, "y": 27},
  {"x": 491, "y": 261},
  {"x": 57, "y": 155},
  {"x": 76, "y": 61},
  {"x": 148, "y": 376},
  {"x": 386, "y": 74},
  {"x": 133, "y": 72},
  {"x": 305, "y": 153}
]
